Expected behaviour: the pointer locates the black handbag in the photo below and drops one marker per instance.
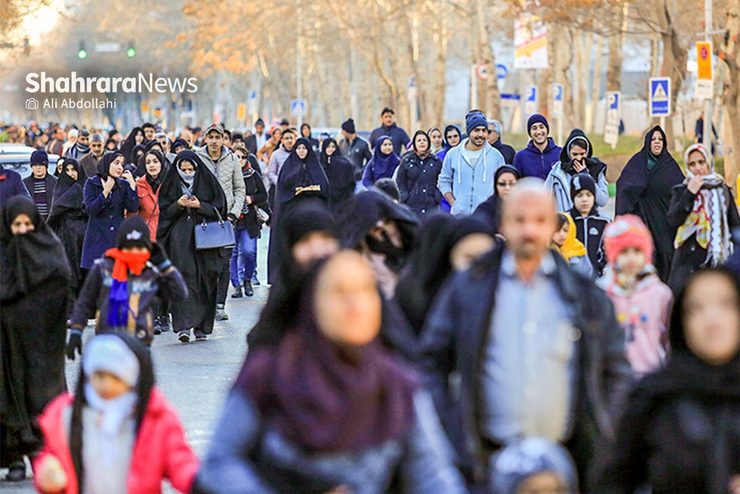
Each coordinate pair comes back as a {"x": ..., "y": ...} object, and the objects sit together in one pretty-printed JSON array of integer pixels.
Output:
[{"x": 214, "y": 234}]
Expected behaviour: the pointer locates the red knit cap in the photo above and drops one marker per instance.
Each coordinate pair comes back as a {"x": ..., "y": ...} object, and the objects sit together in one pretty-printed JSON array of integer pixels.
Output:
[{"x": 624, "y": 232}]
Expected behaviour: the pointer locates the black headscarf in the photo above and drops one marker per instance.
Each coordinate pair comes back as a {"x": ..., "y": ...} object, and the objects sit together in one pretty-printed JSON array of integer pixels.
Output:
[
  {"x": 299, "y": 177},
  {"x": 489, "y": 210},
  {"x": 144, "y": 388},
  {"x": 444, "y": 136},
  {"x": 65, "y": 182},
  {"x": 31, "y": 259},
  {"x": 127, "y": 148},
  {"x": 105, "y": 162},
  {"x": 155, "y": 182},
  {"x": 341, "y": 175}
]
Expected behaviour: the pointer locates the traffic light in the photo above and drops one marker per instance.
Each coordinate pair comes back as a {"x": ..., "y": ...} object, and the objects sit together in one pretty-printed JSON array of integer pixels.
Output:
[
  {"x": 131, "y": 50},
  {"x": 82, "y": 52}
]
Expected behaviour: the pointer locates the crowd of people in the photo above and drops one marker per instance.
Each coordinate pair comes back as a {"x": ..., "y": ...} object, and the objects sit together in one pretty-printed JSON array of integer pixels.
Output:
[{"x": 445, "y": 314}]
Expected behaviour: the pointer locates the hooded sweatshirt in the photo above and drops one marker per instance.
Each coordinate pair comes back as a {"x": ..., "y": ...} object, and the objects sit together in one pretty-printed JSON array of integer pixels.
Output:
[
  {"x": 470, "y": 183},
  {"x": 531, "y": 162},
  {"x": 562, "y": 172}
]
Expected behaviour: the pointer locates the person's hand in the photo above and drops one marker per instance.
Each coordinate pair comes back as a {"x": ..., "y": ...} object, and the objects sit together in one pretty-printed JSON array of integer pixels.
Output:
[
  {"x": 232, "y": 218},
  {"x": 50, "y": 475},
  {"x": 194, "y": 203},
  {"x": 735, "y": 485},
  {"x": 579, "y": 165},
  {"x": 183, "y": 201},
  {"x": 158, "y": 257},
  {"x": 129, "y": 177},
  {"x": 108, "y": 185},
  {"x": 249, "y": 200},
  {"x": 74, "y": 344},
  {"x": 695, "y": 184}
]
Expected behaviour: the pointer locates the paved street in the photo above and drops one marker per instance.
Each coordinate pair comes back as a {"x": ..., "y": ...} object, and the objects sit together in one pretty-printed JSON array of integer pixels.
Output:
[{"x": 196, "y": 377}]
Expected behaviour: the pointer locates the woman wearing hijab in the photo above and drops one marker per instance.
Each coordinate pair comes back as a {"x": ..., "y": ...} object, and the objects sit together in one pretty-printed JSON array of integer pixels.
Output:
[
  {"x": 644, "y": 189},
  {"x": 147, "y": 188},
  {"x": 118, "y": 434},
  {"x": 435, "y": 136},
  {"x": 34, "y": 287},
  {"x": 329, "y": 409},
  {"x": 340, "y": 172},
  {"x": 679, "y": 432},
  {"x": 306, "y": 134},
  {"x": 68, "y": 219},
  {"x": 453, "y": 136},
  {"x": 301, "y": 181},
  {"x": 135, "y": 138},
  {"x": 704, "y": 213},
  {"x": 108, "y": 196},
  {"x": 383, "y": 164},
  {"x": 190, "y": 194},
  {"x": 489, "y": 211},
  {"x": 417, "y": 174}
]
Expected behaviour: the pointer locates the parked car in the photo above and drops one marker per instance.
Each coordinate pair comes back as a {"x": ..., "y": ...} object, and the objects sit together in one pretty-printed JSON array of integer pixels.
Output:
[{"x": 17, "y": 157}]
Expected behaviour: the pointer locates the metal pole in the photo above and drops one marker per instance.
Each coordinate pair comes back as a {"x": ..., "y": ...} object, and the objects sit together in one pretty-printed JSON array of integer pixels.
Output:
[
  {"x": 298, "y": 85},
  {"x": 708, "y": 102}
]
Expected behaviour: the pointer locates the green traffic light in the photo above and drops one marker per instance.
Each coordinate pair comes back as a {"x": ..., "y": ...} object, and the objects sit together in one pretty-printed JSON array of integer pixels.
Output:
[
  {"x": 131, "y": 52},
  {"x": 82, "y": 54}
]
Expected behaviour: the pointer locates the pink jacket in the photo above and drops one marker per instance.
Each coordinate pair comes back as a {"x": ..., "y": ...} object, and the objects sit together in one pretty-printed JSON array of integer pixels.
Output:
[
  {"x": 160, "y": 451},
  {"x": 148, "y": 205},
  {"x": 643, "y": 314}
]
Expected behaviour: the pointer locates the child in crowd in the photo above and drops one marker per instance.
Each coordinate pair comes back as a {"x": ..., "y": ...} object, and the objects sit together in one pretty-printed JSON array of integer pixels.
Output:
[
  {"x": 641, "y": 301},
  {"x": 564, "y": 241},
  {"x": 118, "y": 434},
  {"x": 533, "y": 465},
  {"x": 122, "y": 286},
  {"x": 590, "y": 224}
]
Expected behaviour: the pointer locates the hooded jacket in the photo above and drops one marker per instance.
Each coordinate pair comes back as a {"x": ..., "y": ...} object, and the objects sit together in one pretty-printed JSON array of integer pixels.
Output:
[
  {"x": 590, "y": 231},
  {"x": 562, "y": 172},
  {"x": 531, "y": 162},
  {"x": 471, "y": 184}
]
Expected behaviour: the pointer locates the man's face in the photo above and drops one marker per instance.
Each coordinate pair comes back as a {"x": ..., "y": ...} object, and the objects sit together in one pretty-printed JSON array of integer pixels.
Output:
[
  {"x": 38, "y": 170},
  {"x": 528, "y": 223},
  {"x": 84, "y": 140},
  {"x": 227, "y": 141},
  {"x": 259, "y": 128},
  {"x": 97, "y": 148},
  {"x": 149, "y": 133},
  {"x": 387, "y": 119},
  {"x": 538, "y": 133},
  {"x": 288, "y": 140},
  {"x": 214, "y": 141},
  {"x": 478, "y": 136}
]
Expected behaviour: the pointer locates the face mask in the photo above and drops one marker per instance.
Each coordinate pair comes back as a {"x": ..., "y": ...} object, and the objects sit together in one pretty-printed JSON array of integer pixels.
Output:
[{"x": 395, "y": 257}]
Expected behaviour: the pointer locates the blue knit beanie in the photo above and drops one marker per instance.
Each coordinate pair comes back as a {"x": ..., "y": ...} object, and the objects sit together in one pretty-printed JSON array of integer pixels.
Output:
[
  {"x": 537, "y": 118},
  {"x": 39, "y": 157},
  {"x": 475, "y": 119}
]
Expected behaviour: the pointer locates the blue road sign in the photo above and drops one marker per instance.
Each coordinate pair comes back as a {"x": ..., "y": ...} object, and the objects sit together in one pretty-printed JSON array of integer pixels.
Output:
[
  {"x": 660, "y": 96},
  {"x": 501, "y": 71},
  {"x": 613, "y": 100},
  {"x": 252, "y": 94},
  {"x": 557, "y": 92},
  {"x": 531, "y": 94},
  {"x": 298, "y": 107}
]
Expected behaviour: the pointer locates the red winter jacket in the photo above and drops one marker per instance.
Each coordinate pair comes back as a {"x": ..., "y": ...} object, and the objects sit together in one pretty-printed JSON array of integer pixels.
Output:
[
  {"x": 160, "y": 450},
  {"x": 148, "y": 205}
]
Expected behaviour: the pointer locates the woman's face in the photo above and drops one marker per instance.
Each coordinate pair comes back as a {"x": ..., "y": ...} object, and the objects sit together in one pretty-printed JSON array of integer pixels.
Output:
[
  {"x": 314, "y": 246},
  {"x": 436, "y": 137},
  {"x": 108, "y": 386},
  {"x": 697, "y": 164},
  {"x": 506, "y": 181},
  {"x": 453, "y": 138},
  {"x": 305, "y": 131},
  {"x": 561, "y": 235},
  {"x": 187, "y": 168},
  {"x": 241, "y": 157},
  {"x": 71, "y": 171},
  {"x": 421, "y": 143},
  {"x": 711, "y": 318},
  {"x": 387, "y": 147},
  {"x": 468, "y": 249},
  {"x": 153, "y": 166},
  {"x": 330, "y": 149},
  {"x": 115, "y": 169},
  {"x": 347, "y": 302},
  {"x": 656, "y": 143},
  {"x": 139, "y": 138},
  {"x": 21, "y": 225},
  {"x": 301, "y": 151}
]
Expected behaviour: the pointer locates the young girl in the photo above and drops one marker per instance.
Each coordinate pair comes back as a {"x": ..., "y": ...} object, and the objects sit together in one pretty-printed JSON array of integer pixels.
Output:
[
  {"x": 118, "y": 434},
  {"x": 642, "y": 302},
  {"x": 564, "y": 241}
]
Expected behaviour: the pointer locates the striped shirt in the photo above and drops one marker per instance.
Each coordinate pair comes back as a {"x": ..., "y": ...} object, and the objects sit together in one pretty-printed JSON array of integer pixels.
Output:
[{"x": 39, "y": 196}]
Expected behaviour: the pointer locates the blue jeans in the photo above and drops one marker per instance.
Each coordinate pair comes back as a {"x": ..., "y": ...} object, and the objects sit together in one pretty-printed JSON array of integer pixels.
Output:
[{"x": 243, "y": 258}]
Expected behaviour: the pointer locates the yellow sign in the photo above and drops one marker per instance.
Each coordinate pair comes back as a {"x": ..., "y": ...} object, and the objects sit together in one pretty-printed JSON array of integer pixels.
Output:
[
  {"x": 241, "y": 112},
  {"x": 144, "y": 107},
  {"x": 704, "y": 60}
]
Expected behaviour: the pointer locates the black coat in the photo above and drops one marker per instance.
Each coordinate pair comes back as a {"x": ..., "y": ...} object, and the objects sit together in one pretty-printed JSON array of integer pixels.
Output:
[
  {"x": 68, "y": 219},
  {"x": 256, "y": 190},
  {"x": 456, "y": 336},
  {"x": 647, "y": 193},
  {"x": 417, "y": 182},
  {"x": 690, "y": 255},
  {"x": 341, "y": 174},
  {"x": 506, "y": 151},
  {"x": 590, "y": 231}
]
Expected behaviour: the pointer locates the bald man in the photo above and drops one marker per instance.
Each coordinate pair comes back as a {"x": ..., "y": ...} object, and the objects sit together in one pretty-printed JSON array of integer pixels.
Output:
[{"x": 536, "y": 345}]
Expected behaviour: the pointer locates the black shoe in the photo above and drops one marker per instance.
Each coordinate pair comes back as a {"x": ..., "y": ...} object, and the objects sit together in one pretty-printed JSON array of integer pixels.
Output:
[
  {"x": 200, "y": 335},
  {"x": 157, "y": 329},
  {"x": 184, "y": 336},
  {"x": 237, "y": 293},
  {"x": 255, "y": 281},
  {"x": 16, "y": 472},
  {"x": 248, "y": 290},
  {"x": 164, "y": 323}
]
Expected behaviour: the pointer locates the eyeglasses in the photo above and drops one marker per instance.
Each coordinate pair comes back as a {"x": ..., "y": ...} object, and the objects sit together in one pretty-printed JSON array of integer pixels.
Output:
[{"x": 242, "y": 157}]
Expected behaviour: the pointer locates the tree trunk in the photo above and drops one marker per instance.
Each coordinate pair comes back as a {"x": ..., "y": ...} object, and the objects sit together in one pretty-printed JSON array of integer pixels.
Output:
[
  {"x": 614, "y": 69},
  {"x": 492, "y": 99},
  {"x": 674, "y": 63},
  {"x": 731, "y": 97},
  {"x": 596, "y": 86}
]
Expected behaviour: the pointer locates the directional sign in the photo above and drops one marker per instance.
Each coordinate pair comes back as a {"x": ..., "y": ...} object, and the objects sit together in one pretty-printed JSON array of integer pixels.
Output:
[
  {"x": 298, "y": 107},
  {"x": 481, "y": 71},
  {"x": 241, "y": 112},
  {"x": 611, "y": 129},
  {"x": 660, "y": 96},
  {"x": 501, "y": 71},
  {"x": 558, "y": 93},
  {"x": 530, "y": 100},
  {"x": 704, "y": 87}
]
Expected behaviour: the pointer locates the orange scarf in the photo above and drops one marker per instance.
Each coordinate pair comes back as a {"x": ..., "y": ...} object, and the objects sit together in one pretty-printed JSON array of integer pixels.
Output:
[{"x": 127, "y": 261}]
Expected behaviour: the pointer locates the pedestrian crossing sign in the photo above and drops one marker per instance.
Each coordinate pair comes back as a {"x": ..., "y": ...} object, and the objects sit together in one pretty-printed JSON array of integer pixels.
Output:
[{"x": 660, "y": 96}]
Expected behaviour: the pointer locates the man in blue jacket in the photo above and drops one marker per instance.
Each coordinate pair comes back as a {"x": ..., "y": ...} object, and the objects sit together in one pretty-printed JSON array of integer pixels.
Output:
[
  {"x": 535, "y": 346},
  {"x": 388, "y": 127},
  {"x": 466, "y": 179},
  {"x": 11, "y": 184},
  {"x": 541, "y": 152}
]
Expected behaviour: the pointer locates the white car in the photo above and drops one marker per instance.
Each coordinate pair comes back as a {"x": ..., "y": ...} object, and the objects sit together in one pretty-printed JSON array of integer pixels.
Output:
[{"x": 17, "y": 157}]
